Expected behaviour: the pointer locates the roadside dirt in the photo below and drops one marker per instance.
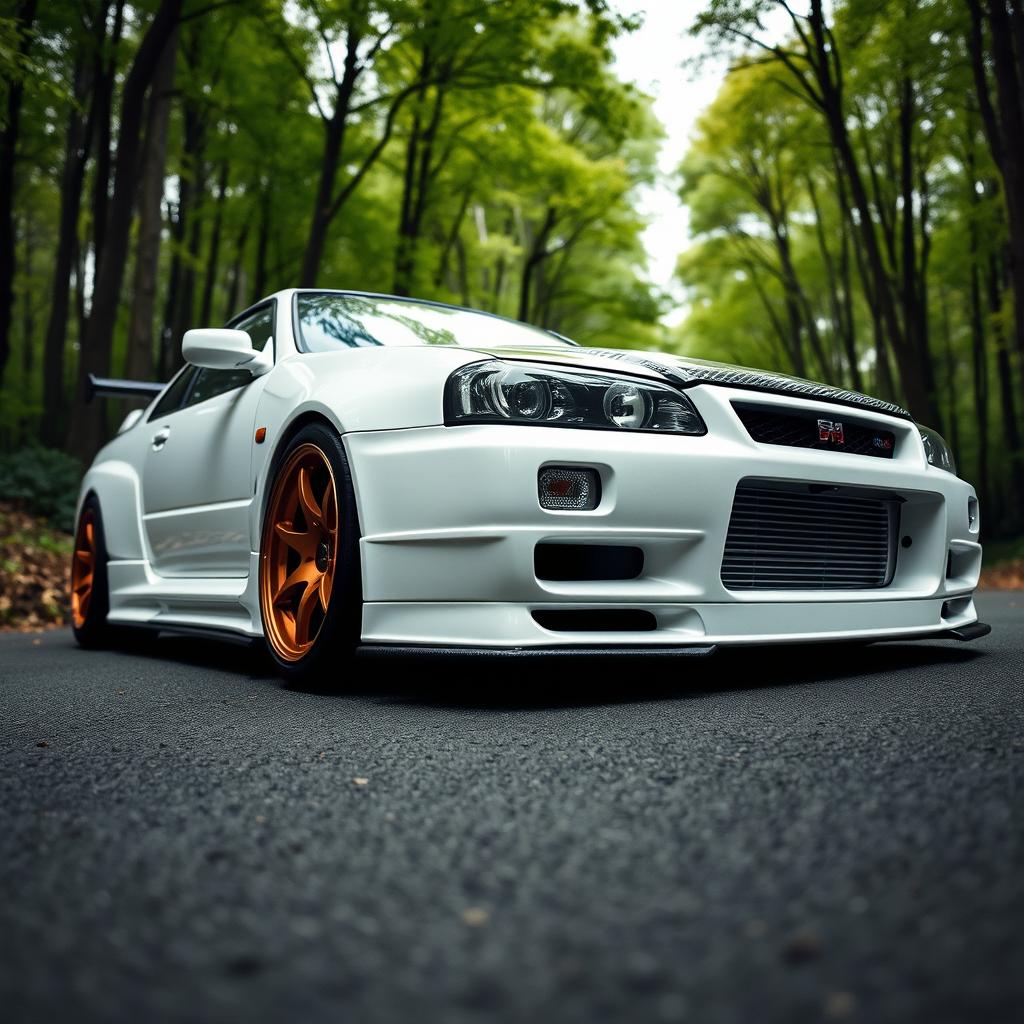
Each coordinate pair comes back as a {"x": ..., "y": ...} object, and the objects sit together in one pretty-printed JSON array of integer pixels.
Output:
[{"x": 35, "y": 563}]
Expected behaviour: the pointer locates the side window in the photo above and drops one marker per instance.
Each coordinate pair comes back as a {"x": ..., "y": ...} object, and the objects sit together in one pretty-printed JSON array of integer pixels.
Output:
[
  {"x": 210, "y": 383},
  {"x": 174, "y": 394},
  {"x": 260, "y": 327}
]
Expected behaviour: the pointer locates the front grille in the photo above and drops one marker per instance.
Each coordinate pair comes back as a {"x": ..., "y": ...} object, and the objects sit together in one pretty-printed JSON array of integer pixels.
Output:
[
  {"x": 811, "y": 430},
  {"x": 809, "y": 537}
]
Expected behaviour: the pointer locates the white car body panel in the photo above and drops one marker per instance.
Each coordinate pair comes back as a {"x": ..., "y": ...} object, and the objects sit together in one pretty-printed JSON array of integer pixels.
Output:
[
  {"x": 450, "y": 518},
  {"x": 197, "y": 486}
]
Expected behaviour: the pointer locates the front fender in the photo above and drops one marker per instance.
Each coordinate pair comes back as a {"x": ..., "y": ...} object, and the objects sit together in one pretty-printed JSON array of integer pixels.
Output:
[{"x": 355, "y": 390}]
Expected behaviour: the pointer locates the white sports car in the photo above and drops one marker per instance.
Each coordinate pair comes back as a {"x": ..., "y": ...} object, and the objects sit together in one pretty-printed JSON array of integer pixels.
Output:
[{"x": 339, "y": 470}]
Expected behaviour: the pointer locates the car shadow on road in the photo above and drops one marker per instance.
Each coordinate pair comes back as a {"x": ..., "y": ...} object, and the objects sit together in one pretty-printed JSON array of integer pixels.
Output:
[
  {"x": 591, "y": 680},
  {"x": 467, "y": 681}
]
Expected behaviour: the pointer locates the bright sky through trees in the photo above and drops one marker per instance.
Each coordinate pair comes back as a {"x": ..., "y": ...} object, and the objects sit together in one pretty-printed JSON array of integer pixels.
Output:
[{"x": 675, "y": 68}]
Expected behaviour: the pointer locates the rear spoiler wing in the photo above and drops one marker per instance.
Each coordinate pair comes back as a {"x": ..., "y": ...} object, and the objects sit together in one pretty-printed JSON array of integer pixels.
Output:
[{"x": 111, "y": 387}]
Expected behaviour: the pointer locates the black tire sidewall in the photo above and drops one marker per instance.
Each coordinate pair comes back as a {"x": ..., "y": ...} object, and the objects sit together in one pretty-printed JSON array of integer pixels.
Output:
[{"x": 335, "y": 644}]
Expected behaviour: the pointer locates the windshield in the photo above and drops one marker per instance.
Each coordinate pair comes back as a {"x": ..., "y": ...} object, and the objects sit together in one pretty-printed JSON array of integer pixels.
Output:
[{"x": 329, "y": 319}]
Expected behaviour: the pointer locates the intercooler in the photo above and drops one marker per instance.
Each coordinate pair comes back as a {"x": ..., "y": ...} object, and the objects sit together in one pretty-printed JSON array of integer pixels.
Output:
[{"x": 810, "y": 537}]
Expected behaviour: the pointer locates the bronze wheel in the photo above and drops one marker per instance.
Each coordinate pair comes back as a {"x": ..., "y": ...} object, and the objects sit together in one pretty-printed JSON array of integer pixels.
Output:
[
  {"x": 83, "y": 568},
  {"x": 299, "y": 553}
]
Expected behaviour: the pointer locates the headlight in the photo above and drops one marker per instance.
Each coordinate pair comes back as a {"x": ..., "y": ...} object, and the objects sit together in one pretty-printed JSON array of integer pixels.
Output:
[
  {"x": 497, "y": 392},
  {"x": 936, "y": 450}
]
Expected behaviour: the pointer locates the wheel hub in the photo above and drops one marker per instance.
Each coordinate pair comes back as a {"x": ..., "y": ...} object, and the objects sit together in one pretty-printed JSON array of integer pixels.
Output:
[{"x": 323, "y": 555}]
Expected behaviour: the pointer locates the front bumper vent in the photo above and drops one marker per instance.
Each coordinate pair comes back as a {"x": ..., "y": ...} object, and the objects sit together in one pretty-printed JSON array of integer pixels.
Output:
[
  {"x": 595, "y": 620},
  {"x": 810, "y": 537}
]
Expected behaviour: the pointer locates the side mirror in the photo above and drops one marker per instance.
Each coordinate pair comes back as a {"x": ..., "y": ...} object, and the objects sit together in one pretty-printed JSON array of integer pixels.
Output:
[{"x": 220, "y": 348}]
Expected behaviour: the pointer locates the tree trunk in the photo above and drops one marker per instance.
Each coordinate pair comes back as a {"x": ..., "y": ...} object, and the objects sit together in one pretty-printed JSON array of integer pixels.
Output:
[
  {"x": 105, "y": 77},
  {"x": 419, "y": 172},
  {"x": 1010, "y": 423},
  {"x": 334, "y": 138},
  {"x": 883, "y": 382},
  {"x": 1004, "y": 130},
  {"x": 401, "y": 283},
  {"x": 184, "y": 311},
  {"x": 834, "y": 289},
  {"x": 87, "y": 422},
  {"x": 72, "y": 180},
  {"x": 213, "y": 257},
  {"x": 28, "y": 307},
  {"x": 24, "y": 18},
  {"x": 165, "y": 359},
  {"x": 979, "y": 366},
  {"x": 463, "y": 265},
  {"x": 324, "y": 206},
  {"x": 914, "y": 313},
  {"x": 441, "y": 275},
  {"x": 262, "y": 241},
  {"x": 537, "y": 254},
  {"x": 797, "y": 308},
  {"x": 139, "y": 364},
  {"x": 952, "y": 384},
  {"x": 184, "y": 224},
  {"x": 235, "y": 286}
]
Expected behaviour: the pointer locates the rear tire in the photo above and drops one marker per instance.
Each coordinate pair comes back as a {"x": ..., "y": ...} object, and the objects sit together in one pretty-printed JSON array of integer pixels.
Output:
[
  {"x": 90, "y": 593},
  {"x": 310, "y": 584}
]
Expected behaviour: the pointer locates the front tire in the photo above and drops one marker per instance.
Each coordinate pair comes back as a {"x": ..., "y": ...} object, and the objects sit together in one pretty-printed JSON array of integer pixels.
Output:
[{"x": 309, "y": 578}]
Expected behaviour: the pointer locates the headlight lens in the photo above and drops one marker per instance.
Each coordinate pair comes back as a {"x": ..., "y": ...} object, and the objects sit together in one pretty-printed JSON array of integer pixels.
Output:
[
  {"x": 936, "y": 450},
  {"x": 498, "y": 392}
]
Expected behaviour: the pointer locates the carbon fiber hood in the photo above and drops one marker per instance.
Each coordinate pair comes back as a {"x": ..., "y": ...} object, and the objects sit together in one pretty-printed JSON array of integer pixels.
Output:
[{"x": 685, "y": 372}]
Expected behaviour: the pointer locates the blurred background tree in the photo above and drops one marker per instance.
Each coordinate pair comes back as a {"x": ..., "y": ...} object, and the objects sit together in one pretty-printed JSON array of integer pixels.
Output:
[{"x": 855, "y": 191}]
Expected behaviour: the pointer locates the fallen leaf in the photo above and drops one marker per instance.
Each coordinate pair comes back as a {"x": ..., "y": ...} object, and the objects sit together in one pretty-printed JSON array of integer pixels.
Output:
[
  {"x": 475, "y": 917},
  {"x": 839, "y": 1004}
]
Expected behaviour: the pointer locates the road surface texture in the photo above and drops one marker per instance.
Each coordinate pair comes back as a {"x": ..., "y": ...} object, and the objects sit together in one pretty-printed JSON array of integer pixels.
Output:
[{"x": 828, "y": 833}]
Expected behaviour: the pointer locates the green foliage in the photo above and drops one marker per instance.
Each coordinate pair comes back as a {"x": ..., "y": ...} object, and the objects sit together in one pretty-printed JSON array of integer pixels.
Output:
[
  {"x": 779, "y": 270},
  {"x": 524, "y": 187},
  {"x": 42, "y": 481}
]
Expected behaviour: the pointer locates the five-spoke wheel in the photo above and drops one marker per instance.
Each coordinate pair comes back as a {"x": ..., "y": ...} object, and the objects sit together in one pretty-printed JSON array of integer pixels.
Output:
[
  {"x": 308, "y": 568},
  {"x": 301, "y": 550}
]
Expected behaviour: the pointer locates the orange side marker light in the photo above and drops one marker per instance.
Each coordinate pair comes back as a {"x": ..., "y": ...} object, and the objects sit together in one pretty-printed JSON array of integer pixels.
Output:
[{"x": 261, "y": 435}]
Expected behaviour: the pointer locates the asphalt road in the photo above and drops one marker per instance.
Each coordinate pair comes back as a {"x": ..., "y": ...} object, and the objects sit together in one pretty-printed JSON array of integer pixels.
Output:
[{"x": 798, "y": 834}]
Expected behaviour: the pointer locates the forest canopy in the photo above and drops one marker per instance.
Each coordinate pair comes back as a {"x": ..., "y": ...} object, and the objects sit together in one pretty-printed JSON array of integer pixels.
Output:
[{"x": 855, "y": 200}]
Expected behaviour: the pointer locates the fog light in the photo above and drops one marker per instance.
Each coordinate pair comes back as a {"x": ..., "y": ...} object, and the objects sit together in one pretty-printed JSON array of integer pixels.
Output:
[{"x": 565, "y": 489}]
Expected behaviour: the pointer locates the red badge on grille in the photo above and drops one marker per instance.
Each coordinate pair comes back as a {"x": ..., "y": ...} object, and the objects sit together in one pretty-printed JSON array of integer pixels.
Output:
[{"x": 831, "y": 431}]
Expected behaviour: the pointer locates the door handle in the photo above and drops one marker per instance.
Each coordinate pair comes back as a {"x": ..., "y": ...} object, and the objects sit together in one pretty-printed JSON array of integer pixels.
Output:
[{"x": 160, "y": 438}]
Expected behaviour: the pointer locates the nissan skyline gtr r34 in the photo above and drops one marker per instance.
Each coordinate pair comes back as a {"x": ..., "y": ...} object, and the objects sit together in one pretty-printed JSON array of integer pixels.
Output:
[{"x": 338, "y": 470}]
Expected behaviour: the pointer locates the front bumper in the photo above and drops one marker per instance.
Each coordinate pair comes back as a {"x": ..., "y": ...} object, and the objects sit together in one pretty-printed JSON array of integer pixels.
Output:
[{"x": 450, "y": 521}]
